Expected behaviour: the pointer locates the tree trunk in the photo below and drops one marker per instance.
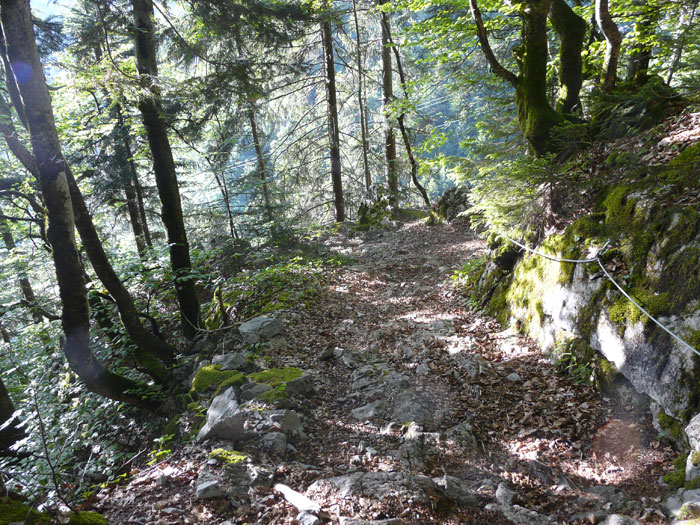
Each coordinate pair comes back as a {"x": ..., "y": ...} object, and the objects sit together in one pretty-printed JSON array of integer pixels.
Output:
[
  {"x": 22, "y": 52},
  {"x": 24, "y": 284},
  {"x": 261, "y": 165},
  {"x": 388, "y": 92},
  {"x": 571, "y": 30},
  {"x": 333, "y": 131},
  {"x": 402, "y": 116},
  {"x": 12, "y": 433},
  {"x": 123, "y": 154},
  {"x": 535, "y": 115},
  {"x": 361, "y": 101},
  {"x": 164, "y": 166},
  {"x": 613, "y": 41}
]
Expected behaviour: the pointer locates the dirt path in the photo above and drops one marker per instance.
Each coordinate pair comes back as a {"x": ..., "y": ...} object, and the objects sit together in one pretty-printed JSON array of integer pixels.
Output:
[{"x": 417, "y": 396}]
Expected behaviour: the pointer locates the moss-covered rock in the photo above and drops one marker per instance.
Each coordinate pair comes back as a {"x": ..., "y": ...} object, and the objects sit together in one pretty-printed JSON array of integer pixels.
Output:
[
  {"x": 211, "y": 377},
  {"x": 275, "y": 376},
  {"x": 12, "y": 511},
  {"x": 228, "y": 457}
]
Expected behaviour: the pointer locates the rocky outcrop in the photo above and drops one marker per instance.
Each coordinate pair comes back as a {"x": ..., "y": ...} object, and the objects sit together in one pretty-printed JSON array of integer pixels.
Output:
[
  {"x": 453, "y": 202},
  {"x": 576, "y": 313}
]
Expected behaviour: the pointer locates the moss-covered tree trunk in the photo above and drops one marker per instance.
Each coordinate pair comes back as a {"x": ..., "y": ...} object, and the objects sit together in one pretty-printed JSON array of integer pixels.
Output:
[
  {"x": 164, "y": 166},
  {"x": 535, "y": 115},
  {"x": 638, "y": 65},
  {"x": 571, "y": 31},
  {"x": 392, "y": 169},
  {"x": 613, "y": 41},
  {"x": 332, "y": 110},
  {"x": 23, "y": 57}
]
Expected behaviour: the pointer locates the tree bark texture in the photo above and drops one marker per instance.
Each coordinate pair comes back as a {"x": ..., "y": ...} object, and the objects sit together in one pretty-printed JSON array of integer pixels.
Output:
[
  {"x": 571, "y": 30},
  {"x": 535, "y": 115},
  {"x": 686, "y": 24},
  {"x": 638, "y": 66},
  {"x": 332, "y": 110},
  {"x": 392, "y": 171},
  {"x": 613, "y": 41},
  {"x": 26, "y": 68},
  {"x": 164, "y": 166}
]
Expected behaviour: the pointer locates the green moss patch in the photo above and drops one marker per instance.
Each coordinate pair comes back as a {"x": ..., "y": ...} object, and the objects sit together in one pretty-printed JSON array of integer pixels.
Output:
[
  {"x": 275, "y": 376},
  {"x": 210, "y": 376},
  {"x": 228, "y": 457},
  {"x": 87, "y": 518},
  {"x": 12, "y": 511}
]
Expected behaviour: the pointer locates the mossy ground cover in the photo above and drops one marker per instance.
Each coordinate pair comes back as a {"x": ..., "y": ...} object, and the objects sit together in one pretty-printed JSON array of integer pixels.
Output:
[
  {"x": 210, "y": 376},
  {"x": 13, "y": 511},
  {"x": 278, "y": 286}
]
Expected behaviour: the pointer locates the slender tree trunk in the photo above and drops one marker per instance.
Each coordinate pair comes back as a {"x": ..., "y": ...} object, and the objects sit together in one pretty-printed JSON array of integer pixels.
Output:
[
  {"x": 613, "y": 41},
  {"x": 571, "y": 30},
  {"x": 262, "y": 171},
  {"x": 21, "y": 47},
  {"x": 402, "y": 116},
  {"x": 24, "y": 284},
  {"x": 361, "y": 101},
  {"x": 333, "y": 131},
  {"x": 164, "y": 167},
  {"x": 120, "y": 150},
  {"x": 392, "y": 171}
]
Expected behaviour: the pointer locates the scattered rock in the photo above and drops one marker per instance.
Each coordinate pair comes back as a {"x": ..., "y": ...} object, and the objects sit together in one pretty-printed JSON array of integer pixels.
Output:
[
  {"x": 617, "y": 519},
  {"x": 303, "y": 386},
  {"x": 514, "y": 378},
  {"x": 233, "y": 361},
  {"x": 367, "y": 411},
  {"x": 504, "y": 496},
  {"x": 287, "y": 421},
  {"x": 456, "y": 490},
  {"x": 252, "y": 390},
  {"x": 353, "y": 521},
  {"x": 275, "y": 442},
  {"x": 306, "y": 518},
  {"x": 462, "y": 434},
  {"x": 208, "y": 489},
  {"x": 224, "y": 418},
  {"x": 261, "y": 328}
]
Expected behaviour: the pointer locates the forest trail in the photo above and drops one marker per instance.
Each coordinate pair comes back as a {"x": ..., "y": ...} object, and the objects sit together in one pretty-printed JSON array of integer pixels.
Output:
[{"x": 438, "y": 404}]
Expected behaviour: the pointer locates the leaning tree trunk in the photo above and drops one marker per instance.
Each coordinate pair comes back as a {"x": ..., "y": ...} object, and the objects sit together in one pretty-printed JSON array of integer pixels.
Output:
[
  {"x": 686, "y": 25},
  {"x": 571, "y": 30},
  {"x": 147, "y": 342},
  {"x": 164, "y": 166},
  {"x": 333, "y": 130},
  {"x": 21, "y": 49},
  {"x": 613, "y": 41},
  {"x": 392, "y": 172}
]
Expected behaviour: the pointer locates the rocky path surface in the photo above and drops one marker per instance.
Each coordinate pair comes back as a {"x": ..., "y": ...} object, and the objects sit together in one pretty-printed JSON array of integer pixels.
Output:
[{"x": 412, "y": 409}]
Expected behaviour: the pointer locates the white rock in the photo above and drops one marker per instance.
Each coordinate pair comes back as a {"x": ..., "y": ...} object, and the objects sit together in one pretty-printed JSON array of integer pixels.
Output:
[
  {"x": 208, "y": 489},
  {"x": 224, "y": 418}
]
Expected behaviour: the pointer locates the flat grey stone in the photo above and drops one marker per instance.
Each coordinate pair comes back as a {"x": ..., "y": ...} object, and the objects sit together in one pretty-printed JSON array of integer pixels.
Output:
[
  {"x": 354, "y": 521},
  {"x": 302, "y": 386},
  {"x": 462, "y": 434},
  {"x": 514, "y": 378},
  {"x": 456, "y": 490},
  {"x": 504, "y": 496},
  {"x": 306, "y": 518},
  {"x": 618, "y": 519},
  {"x": 208, "y": 489},
  {"x": 288, "y": 421},
  {"x": 233, "y": 361},
  {"x": 378, "y": 485}
]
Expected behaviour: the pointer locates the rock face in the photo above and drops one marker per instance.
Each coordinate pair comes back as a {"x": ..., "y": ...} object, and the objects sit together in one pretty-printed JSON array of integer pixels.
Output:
[
  {"x": 224, "y": 418},
  {"x": 453, "y": 202},
  {"x": 574, "y": 309}
]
